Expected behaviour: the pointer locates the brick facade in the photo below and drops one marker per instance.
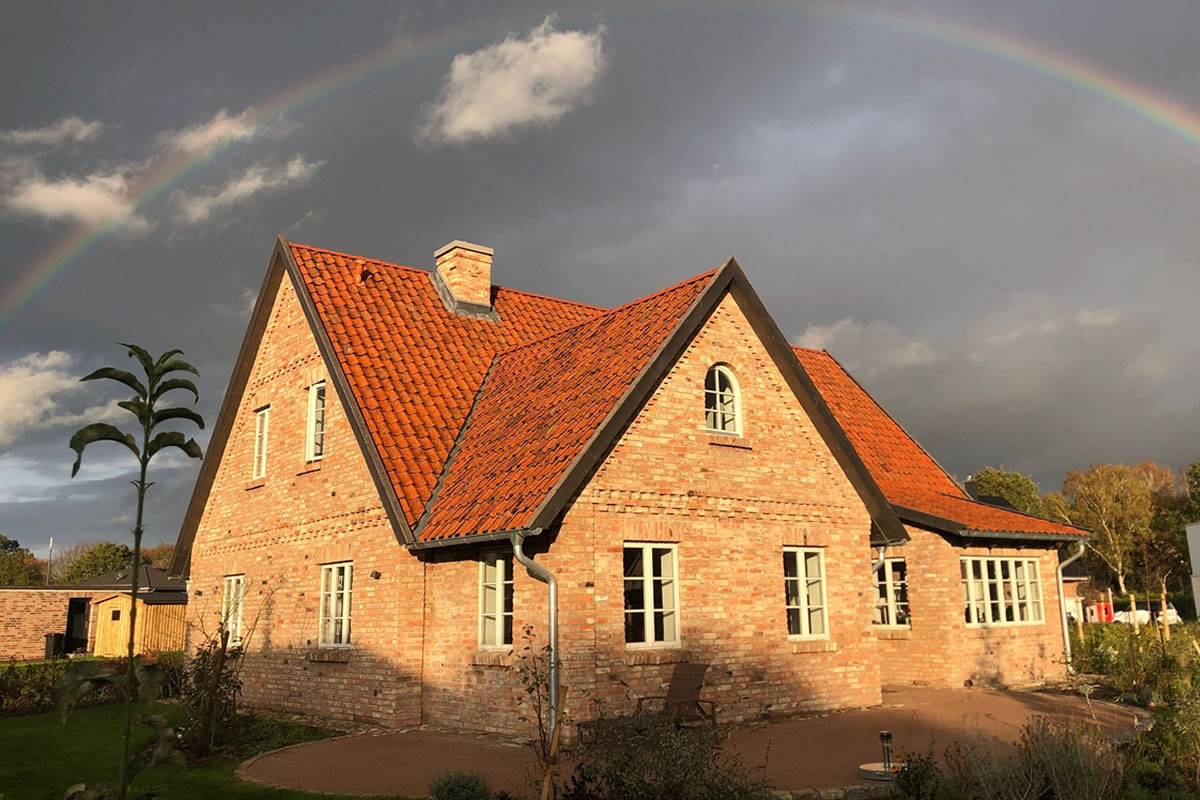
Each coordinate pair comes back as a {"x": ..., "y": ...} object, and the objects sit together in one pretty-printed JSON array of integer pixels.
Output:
[
  {"x": 27, "y": 615},
  {"x": 731, "y": 504}
]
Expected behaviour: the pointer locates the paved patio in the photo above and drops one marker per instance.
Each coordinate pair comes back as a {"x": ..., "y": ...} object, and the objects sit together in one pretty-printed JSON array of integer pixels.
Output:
[{"x": 813, "y": 751}]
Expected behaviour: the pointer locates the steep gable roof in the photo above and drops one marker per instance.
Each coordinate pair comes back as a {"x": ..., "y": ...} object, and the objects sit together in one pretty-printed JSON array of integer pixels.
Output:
[{"x": 915, "y": 484}]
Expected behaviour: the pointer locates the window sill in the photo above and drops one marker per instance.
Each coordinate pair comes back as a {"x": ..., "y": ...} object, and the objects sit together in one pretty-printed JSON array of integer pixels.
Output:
[
  {"x": 986, "y": 631},
  {"x": 893, "y": 633},
  {"x": 492, "y": 658},
  {"x": 642, "y": 656},
  {"x": 814, "y": 646},
  {"x": 256, "y": 483},
  {"x": 734, "y": 440},
  {"x": 330, "y": 655},
  {"x": 311, "y": 466}
]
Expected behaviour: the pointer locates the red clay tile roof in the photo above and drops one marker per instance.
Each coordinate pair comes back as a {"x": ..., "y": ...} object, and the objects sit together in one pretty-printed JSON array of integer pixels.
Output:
[
  {"x": 539, "y": 407},
  {"x": 908, "y": 476},
  {"x": 413, "y": 366}
]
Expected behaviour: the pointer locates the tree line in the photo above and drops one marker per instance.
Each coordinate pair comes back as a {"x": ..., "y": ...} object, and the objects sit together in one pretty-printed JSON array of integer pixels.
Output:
[
  {"x": 73, "y": 564},
  {"x": 1137, "y": 516}
]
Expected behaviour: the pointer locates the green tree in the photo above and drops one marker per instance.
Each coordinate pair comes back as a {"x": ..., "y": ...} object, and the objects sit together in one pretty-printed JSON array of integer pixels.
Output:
[
  {"x": 143, "y": 405},
  {"x": 18, "y": 566},
  {"x": 159, "y": 556},
  {"x": 101, "y": 559},
  {"x": 1021, "y": 492}
]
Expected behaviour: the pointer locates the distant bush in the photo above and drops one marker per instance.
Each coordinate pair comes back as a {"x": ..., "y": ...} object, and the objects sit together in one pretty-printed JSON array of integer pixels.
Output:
[
  {"x": 28, "y": 688},
  {"x": 1141, "y": 667},
  {"x": 460, "y": 786}
]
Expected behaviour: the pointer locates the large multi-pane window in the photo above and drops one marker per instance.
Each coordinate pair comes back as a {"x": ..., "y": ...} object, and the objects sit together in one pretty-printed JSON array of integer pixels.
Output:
[
  {"x": 262, "y": 419},
  {"x": 804, "y": 592},
  {"x": 335, "y": 605},
  {"x": 495, "y": 600},
  {"x": 314, "y": 438},
  {"x": 651, "y": 595},
  {"x": 721, "y": 414},
  {"x": 891, "y": 593},
  {"x": 1001, "y": 591},
  {"x": 231, "y": 607}
]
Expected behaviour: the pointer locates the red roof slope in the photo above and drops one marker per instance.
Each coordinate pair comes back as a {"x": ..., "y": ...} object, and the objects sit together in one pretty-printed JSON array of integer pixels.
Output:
[
  {"x": 907, "y": 474},
  {"x": 539, "y": 407},
  {"x": 413, "y": 366}
]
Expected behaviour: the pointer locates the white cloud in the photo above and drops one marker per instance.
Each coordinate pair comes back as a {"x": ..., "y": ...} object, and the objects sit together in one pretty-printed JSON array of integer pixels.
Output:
[
  {"x": 533, "y": 79},
  {"x": 95, "y": 199},
  {"x": 223, "y": 127},
  {"x": 32, "y": 389},
  {"x": 874, "y": 346},
  {"x": 255, "y": 180},
  {"x": 68, "y": 129}
]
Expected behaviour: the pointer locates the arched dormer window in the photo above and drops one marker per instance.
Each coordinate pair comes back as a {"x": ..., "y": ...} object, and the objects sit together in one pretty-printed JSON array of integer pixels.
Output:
[{"x": 721, "y": 411}]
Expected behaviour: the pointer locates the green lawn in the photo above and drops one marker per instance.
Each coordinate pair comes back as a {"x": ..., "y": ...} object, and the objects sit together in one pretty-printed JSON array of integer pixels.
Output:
[{"x": 40, "y": 757}]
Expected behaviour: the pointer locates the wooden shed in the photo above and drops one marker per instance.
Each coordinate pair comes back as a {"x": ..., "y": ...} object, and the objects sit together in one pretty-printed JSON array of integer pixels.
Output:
[{"x": 161, "y": 623}]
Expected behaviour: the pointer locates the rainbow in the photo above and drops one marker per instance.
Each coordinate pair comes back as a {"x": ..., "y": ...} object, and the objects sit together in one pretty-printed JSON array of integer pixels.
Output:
[{"x": 1161, "y": 111}]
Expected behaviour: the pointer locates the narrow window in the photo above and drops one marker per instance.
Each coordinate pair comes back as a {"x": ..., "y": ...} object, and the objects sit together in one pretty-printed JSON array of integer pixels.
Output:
[
  {"x": 495, "y": 600},
  {"x": 261, "y": 421},
  {"x": 231, "y": 608},
  {"x": 804, "y": 592},
  {"x": 314, "y": 441},
  {"x": 721, "y": 401},
  {"x": 335, "y": 605},
  {"x": 116, "y": 614},
  {"x": 1001, "y": 591},
  {"x": 651, "y": 595},
  {"x": 891, "y": 600}
]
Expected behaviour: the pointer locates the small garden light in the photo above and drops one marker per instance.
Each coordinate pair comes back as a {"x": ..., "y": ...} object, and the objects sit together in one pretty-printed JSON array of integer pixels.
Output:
[{"x": 885, "y": 740}]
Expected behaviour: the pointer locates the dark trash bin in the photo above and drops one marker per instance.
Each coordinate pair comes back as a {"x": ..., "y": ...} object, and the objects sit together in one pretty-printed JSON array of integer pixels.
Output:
[{"x": 56, "y": 645}]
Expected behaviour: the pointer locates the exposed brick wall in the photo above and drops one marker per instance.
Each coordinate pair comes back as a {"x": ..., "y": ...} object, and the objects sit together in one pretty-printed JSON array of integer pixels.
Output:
[
  {"x": 27, "y": 615},
  {"x": 941, "y": 649}
]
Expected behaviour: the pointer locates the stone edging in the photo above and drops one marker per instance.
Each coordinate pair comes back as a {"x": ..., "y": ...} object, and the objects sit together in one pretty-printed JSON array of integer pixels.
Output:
[{"x": 858, "y": 791}]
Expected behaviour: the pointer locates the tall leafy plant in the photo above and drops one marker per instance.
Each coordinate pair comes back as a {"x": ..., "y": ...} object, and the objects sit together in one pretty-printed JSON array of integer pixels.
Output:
[{"x": 160, "y": 377}]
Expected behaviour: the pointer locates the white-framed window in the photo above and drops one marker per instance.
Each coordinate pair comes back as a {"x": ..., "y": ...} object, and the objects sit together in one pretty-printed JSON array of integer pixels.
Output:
[
  {"x": 231, "y": 607},
  {"x": 335, "y": 604},
  {"x": 891, "y": 594},
  {"x": 495, "y": 600},
  {"x": 721, "y": 412},
  {"x": 804, "y": 592},
  {"x": 1001, "y": 591},
  {"x": 262, "y": 419},
  {"x": 651, "y": 595},
  {"x": 314, "y": 439}
]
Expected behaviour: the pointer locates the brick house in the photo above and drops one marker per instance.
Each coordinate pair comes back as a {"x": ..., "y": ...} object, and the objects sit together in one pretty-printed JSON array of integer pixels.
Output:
[{"x": 397, "y": 444}]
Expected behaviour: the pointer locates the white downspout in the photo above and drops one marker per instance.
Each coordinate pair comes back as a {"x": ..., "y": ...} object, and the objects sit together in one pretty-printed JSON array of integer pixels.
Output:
[
  {"x": 1062, "y": 605},
  {"x": 882, "y": 557},
  {"x": 547, "y": 577}
]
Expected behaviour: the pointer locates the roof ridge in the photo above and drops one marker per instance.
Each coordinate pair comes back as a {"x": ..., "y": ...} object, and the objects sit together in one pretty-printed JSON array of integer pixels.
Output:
[
  {"x": 895, "y": 422},
  {"x": 610, "y": 312},
  {"x": 429, "y": 271}
]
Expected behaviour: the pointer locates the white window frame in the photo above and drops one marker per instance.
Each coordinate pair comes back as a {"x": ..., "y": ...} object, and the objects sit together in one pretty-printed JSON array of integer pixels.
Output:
[
  {"x": 328, "y": 594},
  {"x": 734, "y": 399},
  {"x": 989, "y": 595},
  {"x": 802, "y": 606},
  {"x": 887, "y": 578},
  {"x": 311, "y": 434},
  {"x": 648, "y": 610},
  {"x": 232, "y": 598},
  {"x": 262, "y": 424},
  {"x": 504, "y": 600}
]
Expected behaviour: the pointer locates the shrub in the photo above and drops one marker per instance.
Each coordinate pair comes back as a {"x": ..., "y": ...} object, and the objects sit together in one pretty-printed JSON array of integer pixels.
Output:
[
  {"x": 28, "y": 688},
  {"x": 460, "y": 786},
  {"x": 210, "y": 691},
  {"x": 647, "y": 759}
]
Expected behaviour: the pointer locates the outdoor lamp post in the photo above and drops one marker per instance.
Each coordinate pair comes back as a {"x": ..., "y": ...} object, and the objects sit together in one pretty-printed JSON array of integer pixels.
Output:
[{"x": 885, "y": 740}]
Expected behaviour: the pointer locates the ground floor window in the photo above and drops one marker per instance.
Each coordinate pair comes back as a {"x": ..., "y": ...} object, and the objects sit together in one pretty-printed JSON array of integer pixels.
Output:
[
  {"x": 231, "y": 607},
  {"x": 891, "y": 593},
  {"x": 495, "y": 600},
  {"x": 651, "y": 595},
  {"x": 335, "y": 605},
  {"x": 1001, "y": 591},
  {"x": 804, "y": 591}
]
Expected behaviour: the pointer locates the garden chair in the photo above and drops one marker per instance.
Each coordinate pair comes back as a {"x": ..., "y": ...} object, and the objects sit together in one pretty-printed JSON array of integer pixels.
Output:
[{"x": 681, "y": 704}]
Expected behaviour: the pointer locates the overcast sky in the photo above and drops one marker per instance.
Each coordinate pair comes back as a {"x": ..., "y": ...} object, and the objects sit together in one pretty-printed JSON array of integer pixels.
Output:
[{"x": 1007, "y": 261}]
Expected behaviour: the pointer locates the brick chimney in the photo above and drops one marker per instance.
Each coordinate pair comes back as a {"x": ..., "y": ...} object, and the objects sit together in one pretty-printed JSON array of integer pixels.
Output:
[{"x": 465, "y": 271}]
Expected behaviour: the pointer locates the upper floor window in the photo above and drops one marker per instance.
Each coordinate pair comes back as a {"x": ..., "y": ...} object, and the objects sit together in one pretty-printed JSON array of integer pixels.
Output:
[
  {"x": 721, "y": 413},
  {"x": 335, "y": 605},
  {"x": 262, "y": 419},
  {"x": 891, "y": 593},
  {"x": 804, "y": 592},
  {"x": 314, "y": 439},
  {"x": 231, "y": 607},
  {"x": 495, "y": 600},
  {"x": 651, "y": 595},
  {"x": 1001, "y": 591}
]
